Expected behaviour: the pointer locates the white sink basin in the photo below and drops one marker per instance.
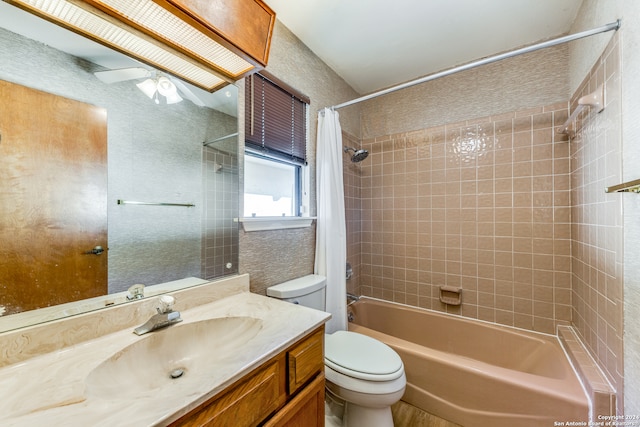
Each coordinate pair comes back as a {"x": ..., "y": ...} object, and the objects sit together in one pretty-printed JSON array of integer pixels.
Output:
[{"x": 179, "y": 358}]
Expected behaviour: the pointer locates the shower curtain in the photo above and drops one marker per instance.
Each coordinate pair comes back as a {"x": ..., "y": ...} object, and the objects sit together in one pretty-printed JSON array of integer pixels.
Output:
[{"x": 331, "y": 233}]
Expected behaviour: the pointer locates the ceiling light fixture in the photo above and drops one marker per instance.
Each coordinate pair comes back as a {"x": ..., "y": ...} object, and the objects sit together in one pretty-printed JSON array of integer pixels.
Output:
[
  {"x": 161, "y": 24},
  {"x": 154, "y": 36},
  {"x": 160, "y": 85}
]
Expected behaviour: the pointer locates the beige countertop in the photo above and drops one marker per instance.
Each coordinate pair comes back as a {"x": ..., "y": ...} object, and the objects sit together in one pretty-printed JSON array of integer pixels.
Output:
[{"x": 51, "y": 389}]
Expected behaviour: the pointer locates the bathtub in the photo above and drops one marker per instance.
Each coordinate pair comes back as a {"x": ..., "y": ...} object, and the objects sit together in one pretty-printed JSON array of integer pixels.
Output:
[{"x": 476, "y": 373}]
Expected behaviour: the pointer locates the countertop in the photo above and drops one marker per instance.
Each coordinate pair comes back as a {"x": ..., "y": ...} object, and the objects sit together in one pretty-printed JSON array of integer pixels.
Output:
[{"x": 50, "y": 389}]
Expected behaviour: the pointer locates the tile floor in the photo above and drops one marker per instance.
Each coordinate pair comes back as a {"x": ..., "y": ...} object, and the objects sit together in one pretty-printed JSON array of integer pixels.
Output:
[{"x": 404, "y": 415}]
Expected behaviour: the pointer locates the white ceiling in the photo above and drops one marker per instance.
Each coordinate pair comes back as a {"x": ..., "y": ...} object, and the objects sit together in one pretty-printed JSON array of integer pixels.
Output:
[{"x": 374, "y": 44}]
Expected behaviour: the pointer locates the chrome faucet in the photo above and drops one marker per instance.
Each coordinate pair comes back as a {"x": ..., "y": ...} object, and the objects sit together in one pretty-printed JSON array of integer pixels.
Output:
[
  {"x": 135, "y": 292},
  {"x": 165, "y": 316},
  {"x": 352, "y": 298}
]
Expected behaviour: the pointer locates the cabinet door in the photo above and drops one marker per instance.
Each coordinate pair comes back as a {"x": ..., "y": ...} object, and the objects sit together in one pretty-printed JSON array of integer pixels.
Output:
[
  {"x": 305, "y": 410},
  {"x": 305, "y": 360},
  {"x": 245, "y": 405}
]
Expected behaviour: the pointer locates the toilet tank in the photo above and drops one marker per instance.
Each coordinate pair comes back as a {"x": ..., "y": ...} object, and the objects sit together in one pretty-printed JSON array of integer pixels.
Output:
[{"x": 308, "y": 291}]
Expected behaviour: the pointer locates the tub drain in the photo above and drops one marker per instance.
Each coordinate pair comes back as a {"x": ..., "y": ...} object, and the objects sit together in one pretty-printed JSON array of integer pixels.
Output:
[{"x": 176, "y": 373}]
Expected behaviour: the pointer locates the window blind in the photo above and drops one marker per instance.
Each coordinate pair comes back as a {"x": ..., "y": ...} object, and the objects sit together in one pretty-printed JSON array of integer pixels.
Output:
[{"x": 275, "y": 119}]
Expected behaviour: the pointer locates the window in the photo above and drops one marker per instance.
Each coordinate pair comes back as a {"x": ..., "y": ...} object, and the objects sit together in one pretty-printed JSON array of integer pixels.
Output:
[
  {"x": 271, "y": 187},
  {"x": 275, "y": 148}
]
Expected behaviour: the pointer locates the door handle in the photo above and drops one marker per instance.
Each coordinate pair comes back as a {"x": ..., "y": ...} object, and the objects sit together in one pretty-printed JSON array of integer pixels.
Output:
[{"x": 95, "y": 251}]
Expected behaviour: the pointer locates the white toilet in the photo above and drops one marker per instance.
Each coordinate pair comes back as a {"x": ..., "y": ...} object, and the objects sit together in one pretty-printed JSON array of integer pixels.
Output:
[{"x": 363, "y": 372}]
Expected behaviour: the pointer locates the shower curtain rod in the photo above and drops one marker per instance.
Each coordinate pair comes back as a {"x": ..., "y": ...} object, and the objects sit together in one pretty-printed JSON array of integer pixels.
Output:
[{"x": 549, "y": 43}]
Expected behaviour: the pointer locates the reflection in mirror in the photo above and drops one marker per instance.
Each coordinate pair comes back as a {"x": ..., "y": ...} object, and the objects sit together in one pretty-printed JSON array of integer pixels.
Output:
[{"x": 164, "y": 142}]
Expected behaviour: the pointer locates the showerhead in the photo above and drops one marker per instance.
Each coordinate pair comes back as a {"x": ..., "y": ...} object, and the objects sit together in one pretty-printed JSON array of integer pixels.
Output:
[{"x": 358, "y": 155}]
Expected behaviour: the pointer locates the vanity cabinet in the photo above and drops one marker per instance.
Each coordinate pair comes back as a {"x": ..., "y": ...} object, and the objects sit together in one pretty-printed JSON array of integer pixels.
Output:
[
  {"x": 306, "y": 409},
  {"x": 285, "y": 391}
]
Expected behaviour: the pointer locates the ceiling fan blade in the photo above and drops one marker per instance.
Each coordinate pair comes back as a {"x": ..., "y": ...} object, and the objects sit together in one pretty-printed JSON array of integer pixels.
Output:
[
  {"x": 115, "y": 76},
  {"x": 188, "y": 93}
]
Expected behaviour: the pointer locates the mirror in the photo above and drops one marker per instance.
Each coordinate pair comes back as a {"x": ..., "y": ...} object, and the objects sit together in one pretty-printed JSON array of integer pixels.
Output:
[{"x": 171, "y": 173}]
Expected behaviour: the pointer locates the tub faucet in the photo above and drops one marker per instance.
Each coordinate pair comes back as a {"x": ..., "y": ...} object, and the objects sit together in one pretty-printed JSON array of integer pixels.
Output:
[
  {"x": 352, "y": 298},
  {"x": 165, "y": 316}
]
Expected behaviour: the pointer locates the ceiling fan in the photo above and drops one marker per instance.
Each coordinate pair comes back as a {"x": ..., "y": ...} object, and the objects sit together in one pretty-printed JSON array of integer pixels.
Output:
[{"x": 154, "y": 84}]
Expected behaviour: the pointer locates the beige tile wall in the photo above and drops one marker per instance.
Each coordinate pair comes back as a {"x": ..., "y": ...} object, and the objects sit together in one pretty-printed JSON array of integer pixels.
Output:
[
  {"x": 505, "y": 208},
  {"x": 483, "y": 205},
  {"x": 597, "y": 230},
  {"x": 219, "y": 230},
  {"x": 352, "y": 173}
]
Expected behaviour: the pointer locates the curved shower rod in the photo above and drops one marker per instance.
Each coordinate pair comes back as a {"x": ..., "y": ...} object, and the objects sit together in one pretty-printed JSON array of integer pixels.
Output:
[{"x": 549, "y": 43}]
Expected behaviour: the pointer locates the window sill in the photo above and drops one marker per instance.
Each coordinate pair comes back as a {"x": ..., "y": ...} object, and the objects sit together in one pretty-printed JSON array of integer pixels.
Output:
[{"x": 275, "y": 222}]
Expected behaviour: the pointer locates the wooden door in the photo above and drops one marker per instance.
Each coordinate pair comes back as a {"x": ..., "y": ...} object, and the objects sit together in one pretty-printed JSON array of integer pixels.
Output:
[{"x": 53, "y": 195}]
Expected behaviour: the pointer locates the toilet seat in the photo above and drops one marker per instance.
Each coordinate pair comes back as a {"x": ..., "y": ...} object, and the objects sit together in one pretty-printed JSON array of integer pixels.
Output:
[
  {"x": 349, "y": 388},
  {"x": 362, "y": 357}
]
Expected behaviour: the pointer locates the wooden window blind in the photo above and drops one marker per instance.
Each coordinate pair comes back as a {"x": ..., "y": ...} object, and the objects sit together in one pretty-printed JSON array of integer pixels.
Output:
[{"x": 275, "y": 118}]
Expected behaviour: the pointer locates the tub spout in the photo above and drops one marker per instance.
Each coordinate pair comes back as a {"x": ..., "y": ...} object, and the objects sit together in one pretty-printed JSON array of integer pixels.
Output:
[{"x": 351, "y": 298}]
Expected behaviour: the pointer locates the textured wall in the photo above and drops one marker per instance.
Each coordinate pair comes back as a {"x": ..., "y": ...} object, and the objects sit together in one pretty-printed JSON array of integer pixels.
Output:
[
  {"x": 630, "y": 34},
  {"x": 530, "y": 80},
  {"x": 585, "y": 52},
  {"x": 154, "y": 156},
  {"x": 271, "y": 257}
]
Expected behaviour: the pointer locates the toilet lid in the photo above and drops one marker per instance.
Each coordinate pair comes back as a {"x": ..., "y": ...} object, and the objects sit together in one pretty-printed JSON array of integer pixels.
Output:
[{"x": 361, "y": 356}]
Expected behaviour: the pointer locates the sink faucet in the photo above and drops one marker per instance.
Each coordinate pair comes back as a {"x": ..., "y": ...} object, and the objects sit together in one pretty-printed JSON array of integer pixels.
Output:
[{"x": 165, "y": 316}]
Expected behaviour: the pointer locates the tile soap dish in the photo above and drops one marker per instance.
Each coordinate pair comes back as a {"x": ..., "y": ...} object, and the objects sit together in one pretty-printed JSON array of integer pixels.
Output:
[{"x": 450, "y": 295}]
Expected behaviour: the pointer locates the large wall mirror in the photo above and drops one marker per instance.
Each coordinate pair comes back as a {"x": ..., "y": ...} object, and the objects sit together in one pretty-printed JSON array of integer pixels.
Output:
[{"x": 144, "y": 181}]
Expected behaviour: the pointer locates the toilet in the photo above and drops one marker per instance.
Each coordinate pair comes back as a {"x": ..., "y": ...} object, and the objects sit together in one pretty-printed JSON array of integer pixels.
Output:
[{"x": 364, "y": 373}]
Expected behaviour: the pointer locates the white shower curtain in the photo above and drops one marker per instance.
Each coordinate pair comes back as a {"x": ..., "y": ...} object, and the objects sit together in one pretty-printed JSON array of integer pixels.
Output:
[{"x": 331, "y": 233}]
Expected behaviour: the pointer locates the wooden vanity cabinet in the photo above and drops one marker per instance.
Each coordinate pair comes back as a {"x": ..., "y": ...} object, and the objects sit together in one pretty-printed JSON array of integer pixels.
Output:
[
  {"x": 306, "y": 409},
  {"x": 285, "y": 391}
]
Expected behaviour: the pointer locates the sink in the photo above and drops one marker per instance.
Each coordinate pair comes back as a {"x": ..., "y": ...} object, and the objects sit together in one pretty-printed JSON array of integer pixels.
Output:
[{"x": 180, "y": 357}]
